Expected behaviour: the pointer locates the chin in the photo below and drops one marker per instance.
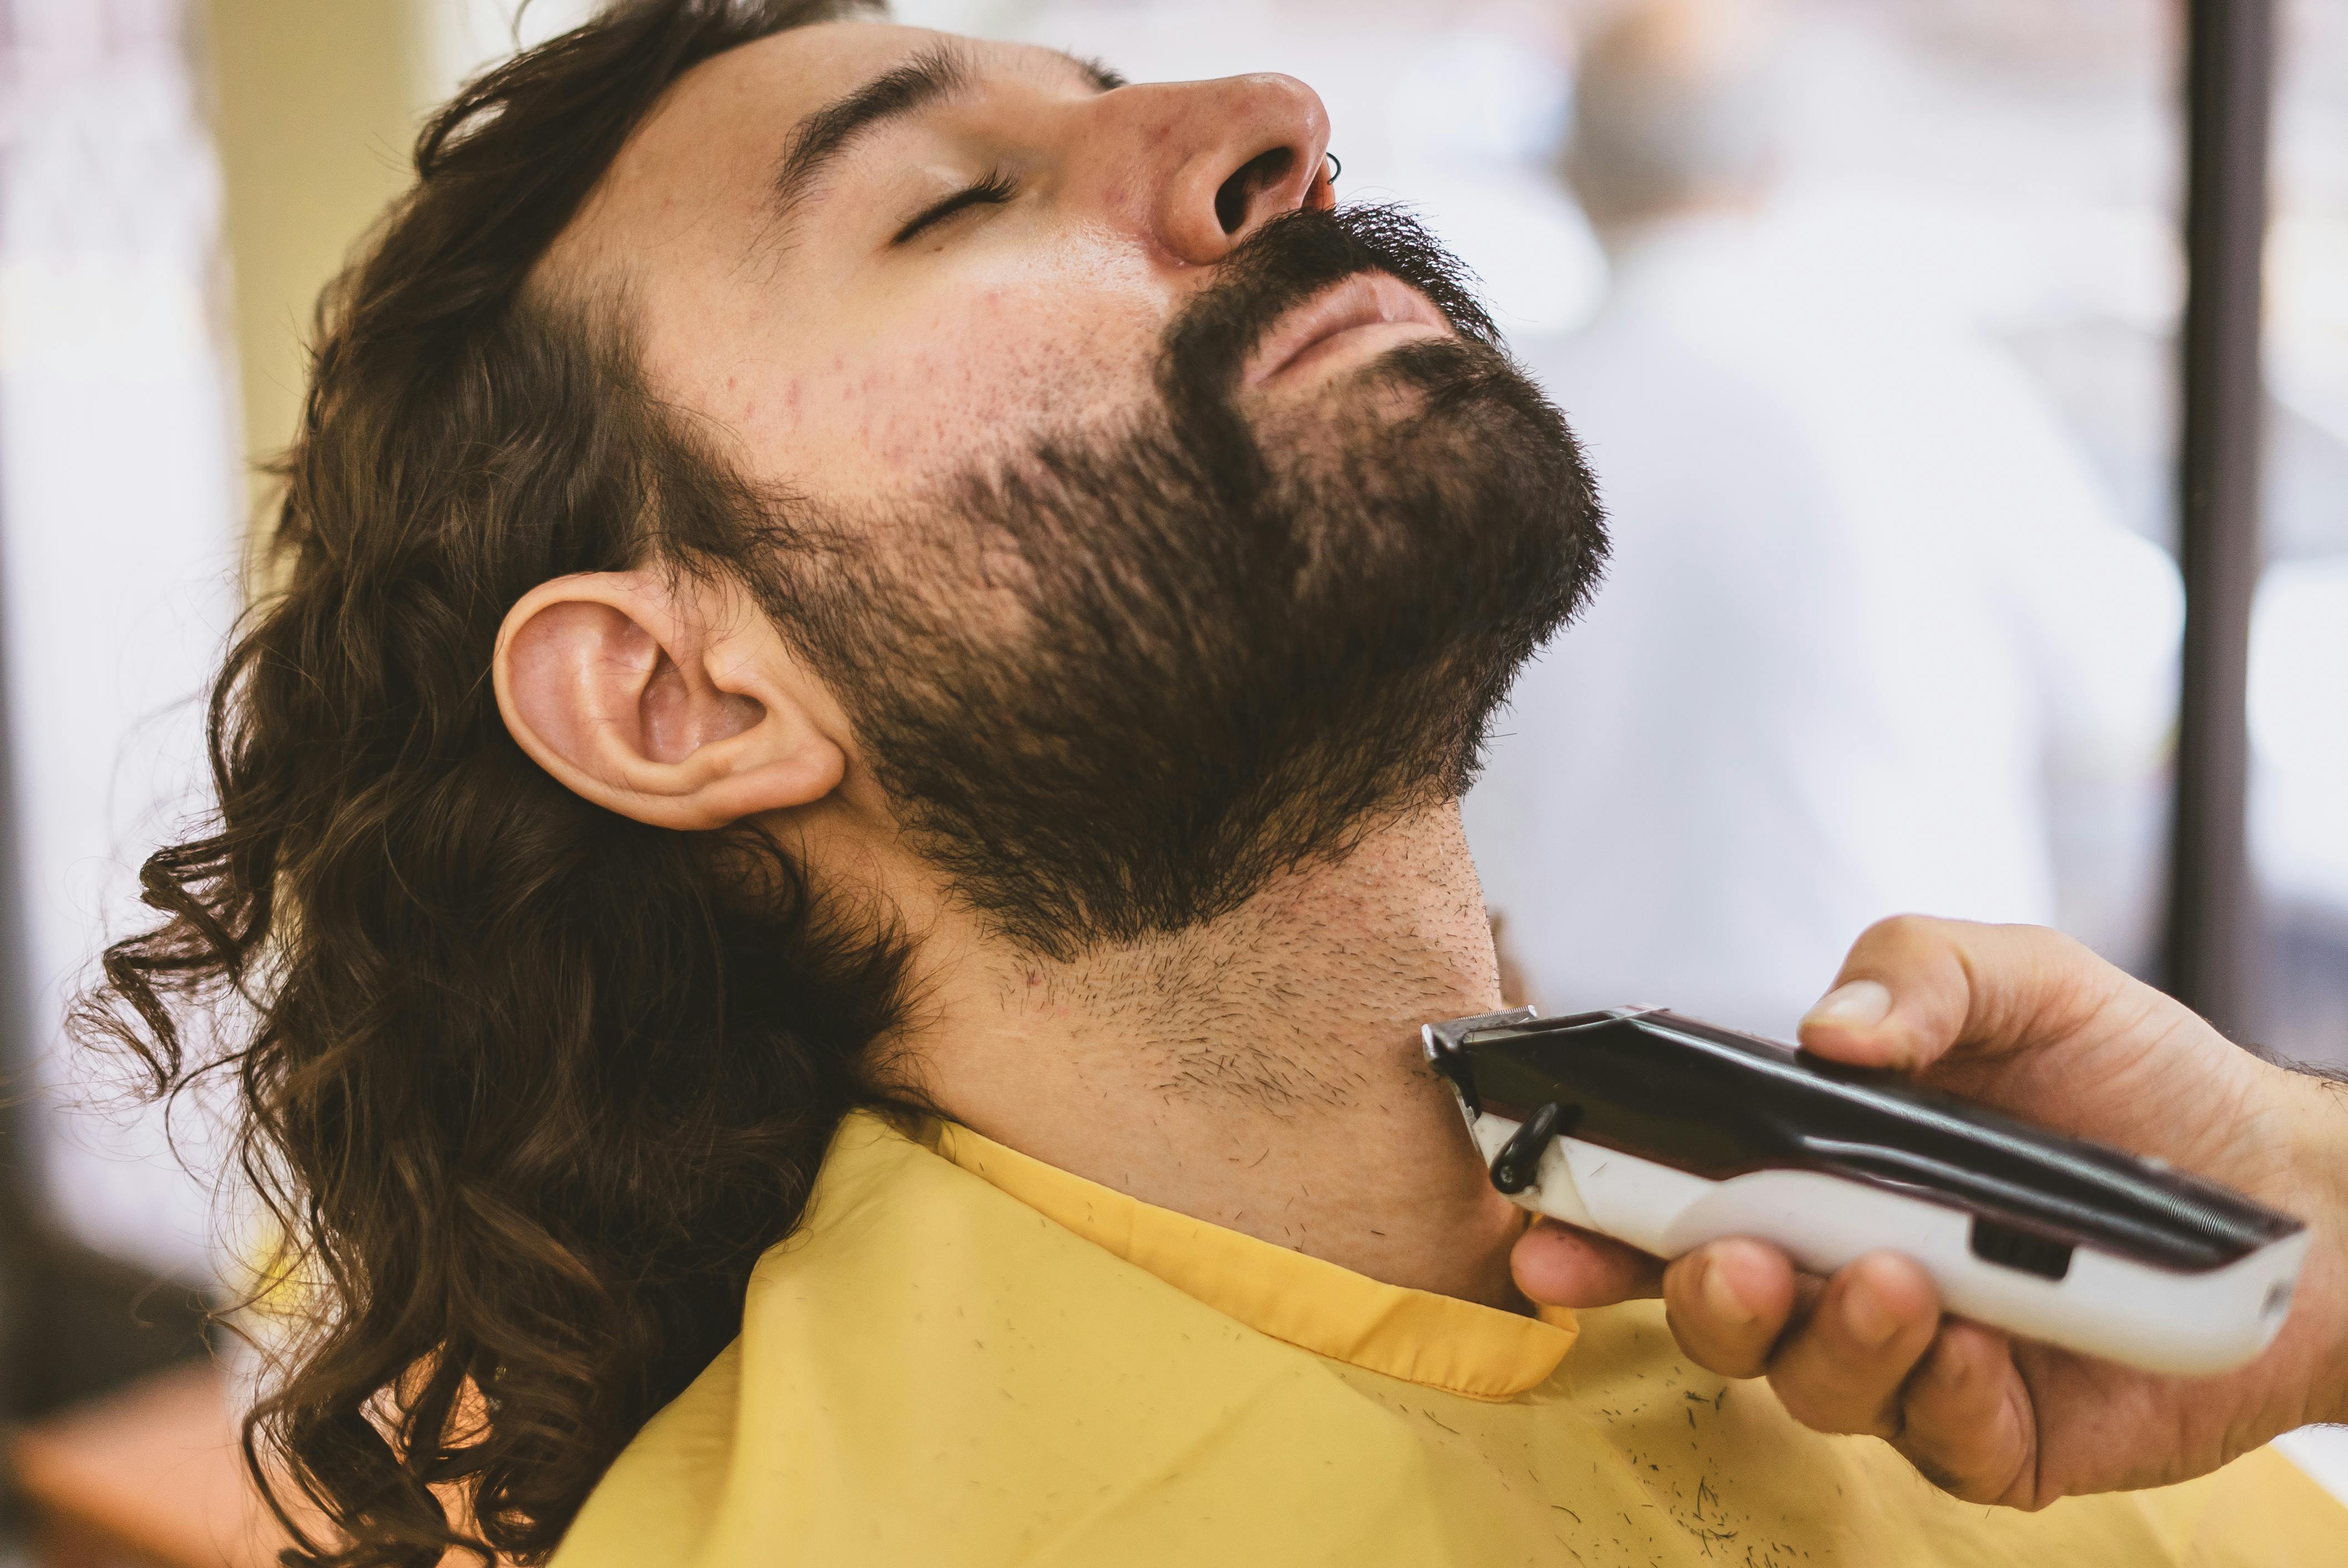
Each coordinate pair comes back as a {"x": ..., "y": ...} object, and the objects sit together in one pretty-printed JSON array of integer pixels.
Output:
[
  {"x": 1429, "y": 415},
  {"x": 1356, "y": 409}
]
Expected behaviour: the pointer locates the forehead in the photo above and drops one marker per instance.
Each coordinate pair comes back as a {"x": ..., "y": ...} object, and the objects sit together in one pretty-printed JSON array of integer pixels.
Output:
[{"x": 706, "y": 154}]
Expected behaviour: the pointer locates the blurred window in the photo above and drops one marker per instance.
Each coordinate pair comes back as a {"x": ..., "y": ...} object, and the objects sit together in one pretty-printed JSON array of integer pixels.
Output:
[
  {"x": 118, "y": 500},
  {"x": 2299, "y": 637}
]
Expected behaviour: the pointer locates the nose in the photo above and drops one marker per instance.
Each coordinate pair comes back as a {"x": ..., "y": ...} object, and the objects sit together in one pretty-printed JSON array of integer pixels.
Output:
[{"x": 1225, "y": 157}]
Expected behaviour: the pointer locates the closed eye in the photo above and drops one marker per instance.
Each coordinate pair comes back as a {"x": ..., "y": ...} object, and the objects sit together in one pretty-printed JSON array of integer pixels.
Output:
[{"x": 992, "y": 190}]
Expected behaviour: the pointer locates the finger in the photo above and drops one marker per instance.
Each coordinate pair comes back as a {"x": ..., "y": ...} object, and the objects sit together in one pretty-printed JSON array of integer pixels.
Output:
[
  {"x": 1913, "y": 988},
  {"x": 1840, "y": 1371},
  {"x": 1728, "y": 1302},
  {"x": 1560, "y": 1266},
  {"x": 1966, "y": 1416}
]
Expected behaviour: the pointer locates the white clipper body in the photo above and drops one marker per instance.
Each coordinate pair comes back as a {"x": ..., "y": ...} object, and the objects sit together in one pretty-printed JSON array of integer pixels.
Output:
[{"x": 1666, "y": 1132}]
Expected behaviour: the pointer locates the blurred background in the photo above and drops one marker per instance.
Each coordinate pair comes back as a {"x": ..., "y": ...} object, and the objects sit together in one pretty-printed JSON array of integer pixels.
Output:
[{"x": 1867, "y": 311}]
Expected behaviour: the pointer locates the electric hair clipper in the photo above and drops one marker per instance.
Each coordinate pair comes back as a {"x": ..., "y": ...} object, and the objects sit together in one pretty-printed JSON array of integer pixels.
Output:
[{"x": 1667, "y": 1133}]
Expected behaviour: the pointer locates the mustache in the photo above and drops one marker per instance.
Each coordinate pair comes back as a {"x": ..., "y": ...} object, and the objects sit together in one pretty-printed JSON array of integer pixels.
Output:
[{"x": 1287, "y": 262}]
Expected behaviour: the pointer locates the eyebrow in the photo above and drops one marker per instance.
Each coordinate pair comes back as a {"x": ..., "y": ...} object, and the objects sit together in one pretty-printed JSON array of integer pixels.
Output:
[{"x": 928, "y": 77}]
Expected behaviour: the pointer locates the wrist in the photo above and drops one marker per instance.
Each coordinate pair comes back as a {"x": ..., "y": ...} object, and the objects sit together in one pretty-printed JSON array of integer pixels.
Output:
[{"x": 2320, "y": 1159}]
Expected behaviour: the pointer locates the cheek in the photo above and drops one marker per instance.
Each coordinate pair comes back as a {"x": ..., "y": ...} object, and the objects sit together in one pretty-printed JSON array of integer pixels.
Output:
[{"x": 966, "y": 363}]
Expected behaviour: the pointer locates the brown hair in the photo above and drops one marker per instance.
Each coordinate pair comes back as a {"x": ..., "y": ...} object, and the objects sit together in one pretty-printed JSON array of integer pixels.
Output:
[{"x": 527, "y": 1086}]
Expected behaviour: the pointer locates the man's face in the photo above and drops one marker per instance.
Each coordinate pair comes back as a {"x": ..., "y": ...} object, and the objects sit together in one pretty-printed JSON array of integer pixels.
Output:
[
  {"x": 879, "y": 255},
  {"x": 1158, "y": 524}
]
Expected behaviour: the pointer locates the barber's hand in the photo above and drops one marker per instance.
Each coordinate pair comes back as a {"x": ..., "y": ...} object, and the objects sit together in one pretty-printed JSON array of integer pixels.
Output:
[{"x": 2031, "y": 1023}]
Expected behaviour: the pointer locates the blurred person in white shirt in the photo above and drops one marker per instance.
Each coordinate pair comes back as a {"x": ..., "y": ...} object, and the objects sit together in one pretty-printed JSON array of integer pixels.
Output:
[{"x": 1872, "y": 632}]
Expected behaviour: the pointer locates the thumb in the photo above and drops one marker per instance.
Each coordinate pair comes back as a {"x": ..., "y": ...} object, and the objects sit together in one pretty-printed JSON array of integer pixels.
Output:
[{"x": 1915, "y": 989}]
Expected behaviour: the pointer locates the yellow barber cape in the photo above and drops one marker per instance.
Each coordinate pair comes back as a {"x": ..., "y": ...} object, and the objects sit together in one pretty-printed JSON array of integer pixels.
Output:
[{"x": 966, "y": 1356}]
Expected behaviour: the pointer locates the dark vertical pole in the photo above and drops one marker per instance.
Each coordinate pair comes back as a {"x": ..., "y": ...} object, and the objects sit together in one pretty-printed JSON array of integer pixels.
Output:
[{"x": 2211, "y": 953}]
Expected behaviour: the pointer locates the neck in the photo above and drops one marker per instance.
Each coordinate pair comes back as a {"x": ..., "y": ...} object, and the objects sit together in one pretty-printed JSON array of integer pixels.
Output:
[{"x": 1261, "y": 1072}]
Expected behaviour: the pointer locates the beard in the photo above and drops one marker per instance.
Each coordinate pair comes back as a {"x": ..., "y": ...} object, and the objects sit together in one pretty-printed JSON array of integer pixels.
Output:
[{"x": 1121, "y": 680}]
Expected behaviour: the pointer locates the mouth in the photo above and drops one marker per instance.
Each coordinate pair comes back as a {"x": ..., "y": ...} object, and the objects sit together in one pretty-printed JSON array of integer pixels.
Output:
[{"x": 1365, "y": 314}]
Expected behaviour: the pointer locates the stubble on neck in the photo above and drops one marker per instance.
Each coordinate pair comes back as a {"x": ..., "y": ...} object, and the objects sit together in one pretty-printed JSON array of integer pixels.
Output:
[{"x": 1259, "y": 1072}]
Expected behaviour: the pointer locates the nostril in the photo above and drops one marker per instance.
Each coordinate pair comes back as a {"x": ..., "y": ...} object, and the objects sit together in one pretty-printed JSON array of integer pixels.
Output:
[{"x": 1236, "y": 194}]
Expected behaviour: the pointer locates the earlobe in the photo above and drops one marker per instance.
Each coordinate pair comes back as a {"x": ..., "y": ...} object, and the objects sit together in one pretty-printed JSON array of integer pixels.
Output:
[{"x": 674, "y": 704}]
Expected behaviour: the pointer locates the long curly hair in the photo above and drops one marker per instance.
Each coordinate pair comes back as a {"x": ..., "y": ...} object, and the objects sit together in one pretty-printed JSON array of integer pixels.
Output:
[{"x": 527, "y": 1086}]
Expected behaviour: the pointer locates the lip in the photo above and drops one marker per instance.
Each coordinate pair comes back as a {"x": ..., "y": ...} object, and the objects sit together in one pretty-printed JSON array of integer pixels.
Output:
[{"x": 1367, "y": 311}]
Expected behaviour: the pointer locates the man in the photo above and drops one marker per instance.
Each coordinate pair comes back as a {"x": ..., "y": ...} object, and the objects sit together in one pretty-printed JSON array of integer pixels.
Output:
[
  {"x": 1843, "y": 667},
  {"x": 834, "y": 845}
]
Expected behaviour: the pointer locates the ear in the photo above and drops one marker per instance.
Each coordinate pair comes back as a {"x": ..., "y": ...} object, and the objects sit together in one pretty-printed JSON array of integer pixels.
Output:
[{"x": 674, "y": 703}]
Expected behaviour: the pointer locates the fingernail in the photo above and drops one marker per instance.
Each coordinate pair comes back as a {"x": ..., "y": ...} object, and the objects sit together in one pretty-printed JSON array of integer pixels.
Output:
[
  {"x": 1720, "y": 1300},
  {"x": 1857, "y": 1006},
  {"x": 1866, "y": 1318}
]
